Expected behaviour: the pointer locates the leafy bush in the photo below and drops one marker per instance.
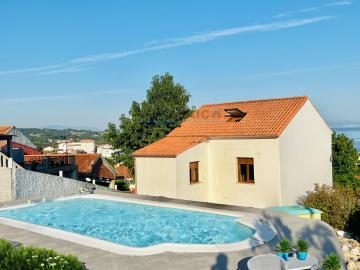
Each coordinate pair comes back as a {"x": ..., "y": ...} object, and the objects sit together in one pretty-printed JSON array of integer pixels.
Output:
[
  {"x": 302, "y": 246},
  {"x": 353, "y": 225},
  {"x": 122, "y": 185},
  {"x": 337, "y": 204},
  {"x": 332, "y": 262},
  {"x": 29, "y": 258}
]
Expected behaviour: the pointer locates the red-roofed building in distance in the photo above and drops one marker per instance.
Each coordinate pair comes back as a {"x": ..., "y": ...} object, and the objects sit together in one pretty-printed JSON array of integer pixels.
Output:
[
  {"x": 94, "y": 167},
  {"x": 123, "y": 172},
  {"x": 15, "y": 144},
  {"x": 258, "y": 153}
]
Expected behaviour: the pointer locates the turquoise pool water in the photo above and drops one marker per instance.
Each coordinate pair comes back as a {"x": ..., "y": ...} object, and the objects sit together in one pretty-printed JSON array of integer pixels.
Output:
[{"x": 132, "y": 224}]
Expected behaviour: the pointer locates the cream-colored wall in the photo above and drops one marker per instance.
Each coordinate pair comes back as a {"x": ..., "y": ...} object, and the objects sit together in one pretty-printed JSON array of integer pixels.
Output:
[
  {"x": 185, "y": 190},
  {"x": 5, "y": 184},
  {"x": 156, "y": 176},
  {"x": 224, "y": 187},
  {"x": 305, "y": 152}
]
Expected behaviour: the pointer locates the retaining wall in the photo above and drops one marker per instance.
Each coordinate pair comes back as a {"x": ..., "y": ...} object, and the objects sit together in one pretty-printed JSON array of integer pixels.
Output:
[{"x": 29, "y": 184}]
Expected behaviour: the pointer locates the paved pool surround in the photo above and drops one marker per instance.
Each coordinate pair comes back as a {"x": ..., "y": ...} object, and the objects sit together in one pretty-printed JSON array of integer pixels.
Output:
[
  {"x": 263, "y": 232},
  {"x": 321, "y": 237}
]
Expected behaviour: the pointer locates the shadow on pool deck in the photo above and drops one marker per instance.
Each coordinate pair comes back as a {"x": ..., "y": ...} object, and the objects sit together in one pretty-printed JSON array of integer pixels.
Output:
[
  {"x": 221, "y": 262},
  {"x": 322, "y": 239}
]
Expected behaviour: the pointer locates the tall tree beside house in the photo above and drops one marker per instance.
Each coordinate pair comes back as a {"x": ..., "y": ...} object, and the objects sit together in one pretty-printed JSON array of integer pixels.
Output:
[
  {"x": 165, "y": 107},
  {"x": 345, "y": 158}
]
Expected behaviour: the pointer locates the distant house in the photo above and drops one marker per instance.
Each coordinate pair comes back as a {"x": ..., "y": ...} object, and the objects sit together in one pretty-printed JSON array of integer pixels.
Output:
[
  {"x": 123, "y": 172},
  {"x": 48, "y": 149},
  {"x": 15, "y": 144},
  {"x": 94, "y": 166},
  {"x": 55, "y": 164},
  {"x": 85, "y": 146},
  {"x": 105, "y": 150},
  {"x": 256, "y": 153}
]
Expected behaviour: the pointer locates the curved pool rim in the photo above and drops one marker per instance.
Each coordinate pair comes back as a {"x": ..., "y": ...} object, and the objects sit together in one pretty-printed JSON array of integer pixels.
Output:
[{"x": 263, "y": 232}]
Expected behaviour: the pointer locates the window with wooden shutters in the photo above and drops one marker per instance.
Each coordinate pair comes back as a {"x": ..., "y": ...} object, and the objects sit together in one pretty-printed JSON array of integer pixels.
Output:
[
  {"x": 246, "y": 170},
  {"x": 194, "y": 172}
]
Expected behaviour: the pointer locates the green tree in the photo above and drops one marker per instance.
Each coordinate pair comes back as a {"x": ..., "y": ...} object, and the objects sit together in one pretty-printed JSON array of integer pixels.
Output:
[
  {"x": 165, "y": 107},
  {"x": 345, "y": 158}
]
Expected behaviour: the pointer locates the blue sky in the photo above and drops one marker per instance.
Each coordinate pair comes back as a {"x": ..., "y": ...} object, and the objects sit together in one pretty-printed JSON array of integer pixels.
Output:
[{"x": 81, "y": 63}]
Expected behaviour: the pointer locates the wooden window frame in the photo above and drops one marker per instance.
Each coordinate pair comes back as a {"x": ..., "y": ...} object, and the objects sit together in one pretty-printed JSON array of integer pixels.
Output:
[
  {"x": 194, "y": 168},
  {"x": 247, "y": 162}
]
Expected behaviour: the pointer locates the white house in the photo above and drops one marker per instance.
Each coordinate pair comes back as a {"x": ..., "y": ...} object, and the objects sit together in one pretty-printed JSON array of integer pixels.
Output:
[
  {"x": 256, "y": 153},
  {"x": 105, "y": 150},
  {"x": 84, "y": 145}
]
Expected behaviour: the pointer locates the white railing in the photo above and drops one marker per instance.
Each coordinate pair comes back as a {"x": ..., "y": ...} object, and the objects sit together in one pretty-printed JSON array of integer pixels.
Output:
[{"x": 7, "y": 162}]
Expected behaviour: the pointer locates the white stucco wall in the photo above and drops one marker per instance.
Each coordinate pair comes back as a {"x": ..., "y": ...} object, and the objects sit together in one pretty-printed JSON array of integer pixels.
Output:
[
  {"x": 156, "y": 176},
  {"x": 226, "y": 189},
  {"x": 305, "y": 152},
  {"x": 5, "y": 184},
  {"x": 217, "y": 158},
  {"x": 196, "y": 191}
]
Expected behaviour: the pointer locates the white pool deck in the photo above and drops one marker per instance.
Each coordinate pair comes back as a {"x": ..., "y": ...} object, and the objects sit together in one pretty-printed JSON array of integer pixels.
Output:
[{"x": 99, "y": 254}]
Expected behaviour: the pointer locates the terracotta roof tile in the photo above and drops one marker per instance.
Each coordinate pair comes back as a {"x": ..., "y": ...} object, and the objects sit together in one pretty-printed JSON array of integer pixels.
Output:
[
  {"x": 169, "y": 146},
  {"x": 264, "y": 119},
  {"x": 4, "y": 130},
  {"x": 85, "y": 162},
  {"x": 122, "y": 170},
  {"x": 87, "y": 140}
]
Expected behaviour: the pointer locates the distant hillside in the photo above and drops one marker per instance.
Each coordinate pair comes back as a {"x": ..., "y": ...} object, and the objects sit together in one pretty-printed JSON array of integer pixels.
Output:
[{"x": 43, "y": 137}]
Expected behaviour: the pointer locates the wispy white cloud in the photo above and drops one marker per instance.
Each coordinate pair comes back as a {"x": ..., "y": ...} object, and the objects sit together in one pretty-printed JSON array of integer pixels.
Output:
[
  {"x": 64, "y": 70},
  {"x": 200, "y": 38},
  {"x": 31, "y": 70},
  {"x": 73, "y": 64},
  {"x": 310, "y": 9},
  {"x": 339, "y": 3},
  {"x": 58, "y": 97},
  {"x": 282, "y": 15}
]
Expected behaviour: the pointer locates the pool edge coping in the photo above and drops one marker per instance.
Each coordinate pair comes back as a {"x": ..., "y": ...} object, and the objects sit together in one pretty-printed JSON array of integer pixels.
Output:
[{"x": 263, "y": 232}]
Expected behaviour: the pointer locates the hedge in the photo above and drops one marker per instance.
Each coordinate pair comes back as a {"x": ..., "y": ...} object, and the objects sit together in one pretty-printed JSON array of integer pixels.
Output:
[{"x": 31, "y": 258}]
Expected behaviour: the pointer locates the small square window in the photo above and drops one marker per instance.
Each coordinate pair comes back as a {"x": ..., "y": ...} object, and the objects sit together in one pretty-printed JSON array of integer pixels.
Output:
[
  {"x": 245, "y": 169},
  {"x": 194, "y": 172}
]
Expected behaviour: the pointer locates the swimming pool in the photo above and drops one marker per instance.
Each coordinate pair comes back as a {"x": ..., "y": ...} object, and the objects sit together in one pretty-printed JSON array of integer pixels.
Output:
[{"x": 133, "y": 224}]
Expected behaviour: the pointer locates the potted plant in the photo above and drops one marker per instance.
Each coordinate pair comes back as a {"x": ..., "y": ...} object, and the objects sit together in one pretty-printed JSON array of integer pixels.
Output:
[
  {"x": 302, "y": 250},
  {"x": 283, "y": 248},
  {"x": 332, "y": 262}
]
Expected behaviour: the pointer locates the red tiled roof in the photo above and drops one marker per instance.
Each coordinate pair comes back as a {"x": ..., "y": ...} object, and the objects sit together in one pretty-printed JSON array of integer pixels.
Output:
[
  {"x": 94, "y": 165},
  {"x": 122, "y": 170},
  {"x": 169, "y": 146},
  {"x": 87, "y": 140},
  {"x": 85, "y": 162},
  {"x": 264, "y": 119},
  {"x": 27, "y": 149},
  {"x": 4, "y": 130}
]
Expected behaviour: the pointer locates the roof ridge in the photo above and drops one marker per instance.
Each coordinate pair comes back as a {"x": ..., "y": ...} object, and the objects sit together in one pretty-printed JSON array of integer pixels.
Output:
[{"x": 256, "y": 100}]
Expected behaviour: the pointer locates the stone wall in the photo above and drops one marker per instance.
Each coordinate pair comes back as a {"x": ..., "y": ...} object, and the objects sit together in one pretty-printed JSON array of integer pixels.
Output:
[{"x": 28, "y": 184}]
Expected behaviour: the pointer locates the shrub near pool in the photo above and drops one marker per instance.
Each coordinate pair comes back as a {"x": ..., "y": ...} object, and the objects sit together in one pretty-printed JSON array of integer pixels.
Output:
[
  {"x": 30, "y": 258},
  {"x": 122, "y": 185},
  {"x": 340, "y": 205}
]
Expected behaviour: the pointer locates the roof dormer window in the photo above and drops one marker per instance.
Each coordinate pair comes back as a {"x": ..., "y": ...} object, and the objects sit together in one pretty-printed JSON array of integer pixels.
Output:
[{"x": 235, "y": 114}]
